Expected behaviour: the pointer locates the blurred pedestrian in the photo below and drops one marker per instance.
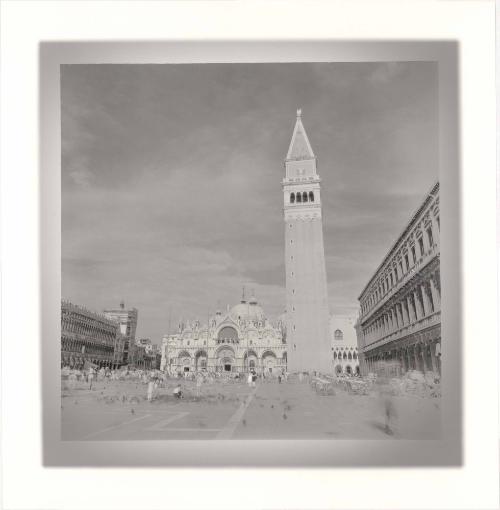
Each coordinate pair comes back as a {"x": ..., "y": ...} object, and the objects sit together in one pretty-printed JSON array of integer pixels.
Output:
[
  {"x": 254, "y": 378},
  {"x": 178, "y": 391},
  {"x": 387, "y": 404},
  {"x": 151, "y": 387},
  {"x": 90, "y": 377}
]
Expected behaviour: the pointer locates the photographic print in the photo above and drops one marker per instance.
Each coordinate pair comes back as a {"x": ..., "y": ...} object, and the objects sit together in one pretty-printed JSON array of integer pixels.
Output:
[{"x": 250, "y": 251}]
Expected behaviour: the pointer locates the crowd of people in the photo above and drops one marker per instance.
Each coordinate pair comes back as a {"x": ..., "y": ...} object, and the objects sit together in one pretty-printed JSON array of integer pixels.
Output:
[{"x": 154, "y": 379}]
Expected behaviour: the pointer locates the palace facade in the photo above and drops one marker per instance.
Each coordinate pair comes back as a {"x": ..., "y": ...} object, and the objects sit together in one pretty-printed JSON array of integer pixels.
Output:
[
  {"x": 345, "y": 359},
  {"x": 89, "y": 337},
  {"x": 399, "y": 326},
  {"x": 237, "y": 340}
]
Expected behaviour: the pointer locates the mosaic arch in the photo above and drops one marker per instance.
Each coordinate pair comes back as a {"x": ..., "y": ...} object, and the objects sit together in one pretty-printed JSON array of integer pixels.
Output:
[
  {"x": 269, "y": 361},
  {"x": 227, "y": 334},
  {"x": 184, "y": 361},
  {"x": 226, "y": 360},
  {"x": 201, "y": 360},
  {"x": 250, "y": 360}
]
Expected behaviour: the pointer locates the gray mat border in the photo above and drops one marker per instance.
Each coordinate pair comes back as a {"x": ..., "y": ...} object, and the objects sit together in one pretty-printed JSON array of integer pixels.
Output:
[{"x": 255, "y": 453}]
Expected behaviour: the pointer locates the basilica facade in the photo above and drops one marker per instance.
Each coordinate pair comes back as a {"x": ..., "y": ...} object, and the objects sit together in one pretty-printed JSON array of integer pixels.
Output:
[{"x": 239, "y": 339}]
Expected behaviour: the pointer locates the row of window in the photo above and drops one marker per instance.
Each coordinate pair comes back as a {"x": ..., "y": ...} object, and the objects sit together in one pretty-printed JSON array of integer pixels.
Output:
[
  {"x": 345, "y": 355},
  {"x": 88, "y": 330},
  {"x": 301, "y": 197},
  {"x": 75, "y": 346},
  {"x": 400, "y": 269},
  {"x": 417, "y": 305}
]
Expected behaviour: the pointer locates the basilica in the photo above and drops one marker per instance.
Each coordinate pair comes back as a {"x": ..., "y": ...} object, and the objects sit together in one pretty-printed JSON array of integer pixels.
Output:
[{"x": 239, "y": 339}]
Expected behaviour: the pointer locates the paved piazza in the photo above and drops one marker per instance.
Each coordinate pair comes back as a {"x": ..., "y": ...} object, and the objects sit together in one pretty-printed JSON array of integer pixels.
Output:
[{"x": 119, "y": 410}]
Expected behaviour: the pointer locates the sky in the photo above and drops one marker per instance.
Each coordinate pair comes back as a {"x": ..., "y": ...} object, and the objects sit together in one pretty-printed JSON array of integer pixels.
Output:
[{"x": 171, "y": 179}]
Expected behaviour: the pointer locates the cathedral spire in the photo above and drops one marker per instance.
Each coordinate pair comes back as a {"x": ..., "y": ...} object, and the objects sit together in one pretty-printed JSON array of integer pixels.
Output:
[{"x": 300, "y": 148}]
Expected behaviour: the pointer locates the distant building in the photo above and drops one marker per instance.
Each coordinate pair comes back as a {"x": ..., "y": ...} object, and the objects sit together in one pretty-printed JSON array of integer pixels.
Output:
[
  {"x": 399, "y": 326},
  {"x": 345, "y": 359},
  {"x": 88, "y": 337},
  {"x": 127, "y": 320},
  {"x": 235, "y": 341},
  {"x": 146, "y": 354}
]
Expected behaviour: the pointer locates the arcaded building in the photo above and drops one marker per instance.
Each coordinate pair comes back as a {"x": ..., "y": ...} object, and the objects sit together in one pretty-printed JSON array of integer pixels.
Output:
[
  {"x": 87, "y": 336},
  {"x": 233, "y": 341},
  {"x": 399, "y": 326}
]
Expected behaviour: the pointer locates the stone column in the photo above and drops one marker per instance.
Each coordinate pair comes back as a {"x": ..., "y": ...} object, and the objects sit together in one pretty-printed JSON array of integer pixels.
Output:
[
  {"x": 418, "y": 305},
  {"x": 435, "y": 230},
  {"x": 411, "y": 313},
  {"x": 427, "y": 304},
  {"x": 432, "y": 346},
  {"x": 400, "y": 314},
  {"x": 406, "y": 316},
  {"x": 397, "y": 316},
  {"x": 435, "y": 293},
  {"x": 426, "y": 239},
  {"x": 415, "y": 357}
]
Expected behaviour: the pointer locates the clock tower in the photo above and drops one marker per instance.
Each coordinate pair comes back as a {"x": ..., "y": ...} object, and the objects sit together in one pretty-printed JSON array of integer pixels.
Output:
[{"x": 306, "y": 290}]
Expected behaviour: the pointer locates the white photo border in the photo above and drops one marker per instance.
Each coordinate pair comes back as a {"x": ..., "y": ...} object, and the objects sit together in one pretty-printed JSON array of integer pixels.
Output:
[{"x": 26, "y": 483}]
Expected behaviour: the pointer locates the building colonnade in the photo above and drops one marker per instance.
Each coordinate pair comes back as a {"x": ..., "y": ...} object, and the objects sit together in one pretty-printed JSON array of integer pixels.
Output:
[{"x": 399, "y": 328}]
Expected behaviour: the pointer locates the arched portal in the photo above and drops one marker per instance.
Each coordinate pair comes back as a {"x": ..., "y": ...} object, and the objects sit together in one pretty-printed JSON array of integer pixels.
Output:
[
  {"x": 269, "y": 361},
  {"x": 338, "y": 369},
  {"x": 200, "y": 360},
  {"x": 226, "y": 360},
  {"x": 184, "y": 361},
  {"x": 250, "y": 360},
  {"x": 348, "y": 369}
]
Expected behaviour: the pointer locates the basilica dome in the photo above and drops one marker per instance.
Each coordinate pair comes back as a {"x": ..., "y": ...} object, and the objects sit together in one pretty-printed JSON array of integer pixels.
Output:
[{"x": 247, "y": 311}]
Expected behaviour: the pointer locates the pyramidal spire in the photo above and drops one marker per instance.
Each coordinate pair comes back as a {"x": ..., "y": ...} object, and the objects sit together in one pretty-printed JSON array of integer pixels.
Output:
[{"x": 300, "y": 148}]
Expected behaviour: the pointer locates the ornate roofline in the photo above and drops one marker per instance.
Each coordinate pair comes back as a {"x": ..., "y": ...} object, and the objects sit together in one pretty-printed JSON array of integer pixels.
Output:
[{"x": 428, "y": 197}]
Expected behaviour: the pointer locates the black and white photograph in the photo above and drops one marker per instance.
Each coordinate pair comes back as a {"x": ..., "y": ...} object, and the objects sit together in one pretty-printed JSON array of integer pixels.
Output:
[
  {"x": 249, "y": 255},
  {"x": 250, "y": 251}
]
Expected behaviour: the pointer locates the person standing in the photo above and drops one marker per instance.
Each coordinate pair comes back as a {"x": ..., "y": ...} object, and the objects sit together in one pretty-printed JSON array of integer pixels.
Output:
[{"x": 90, "y": 377}]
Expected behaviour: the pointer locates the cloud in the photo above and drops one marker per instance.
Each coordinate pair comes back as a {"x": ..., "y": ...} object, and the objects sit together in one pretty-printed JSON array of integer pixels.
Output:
[{"x": 171, "y": 178}]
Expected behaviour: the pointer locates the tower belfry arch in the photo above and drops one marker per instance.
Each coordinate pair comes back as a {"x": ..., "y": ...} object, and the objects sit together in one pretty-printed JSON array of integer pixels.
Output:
[{"x": 306, "y": 288}]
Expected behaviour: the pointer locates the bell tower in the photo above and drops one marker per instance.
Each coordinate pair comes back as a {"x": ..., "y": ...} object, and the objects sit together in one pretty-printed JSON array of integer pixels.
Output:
[{"x": 307, "y": 311}]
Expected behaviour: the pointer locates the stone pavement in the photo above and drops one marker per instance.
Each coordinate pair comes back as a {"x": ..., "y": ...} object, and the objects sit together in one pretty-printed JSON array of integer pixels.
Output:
[{"x": 118, "y": 410}]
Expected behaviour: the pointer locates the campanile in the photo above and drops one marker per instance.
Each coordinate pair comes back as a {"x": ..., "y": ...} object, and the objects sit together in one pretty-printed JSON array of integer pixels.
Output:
[{"x": 306, "y": 290}]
